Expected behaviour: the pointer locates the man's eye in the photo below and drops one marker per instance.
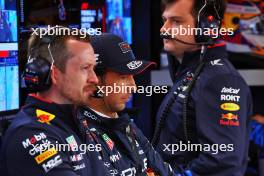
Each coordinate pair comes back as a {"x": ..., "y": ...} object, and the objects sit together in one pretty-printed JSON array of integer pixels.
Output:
[
  {"x": 85, "y": 68},
  {"x": 176, "y": 21}
]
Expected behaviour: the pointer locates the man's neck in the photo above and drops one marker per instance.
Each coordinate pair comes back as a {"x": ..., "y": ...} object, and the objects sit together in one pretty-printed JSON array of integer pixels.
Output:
[
  {"x": 180, "y": 56},
  {"x": 53, "y": 96},
  {"x": 102, "y": 114},
  {"x": 179, "y": 59},
  {"x": 100, "y": 107}
]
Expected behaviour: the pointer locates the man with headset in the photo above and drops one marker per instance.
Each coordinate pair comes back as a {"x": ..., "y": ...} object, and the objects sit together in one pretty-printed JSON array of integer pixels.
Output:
[
  {"x": 125, "y": 150},
  {"x": 43, "y": 137},
  {"x": 203, "y": 124}
]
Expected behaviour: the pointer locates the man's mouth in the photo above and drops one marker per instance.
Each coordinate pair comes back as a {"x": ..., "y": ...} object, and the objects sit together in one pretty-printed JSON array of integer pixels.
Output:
[
  {"x": 166, "y": 40},
  {"x": 90, "y": 88}
]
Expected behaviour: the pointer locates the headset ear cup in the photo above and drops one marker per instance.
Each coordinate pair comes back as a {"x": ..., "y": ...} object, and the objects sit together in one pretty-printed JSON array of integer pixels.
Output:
[
  {"x": 201, "y": 37},
  {"x": 99, "y": 69},
  {"x": 48, "y": 79},
  {"x": 36, "y": 75},
  {"x": 207, "y": 30}
]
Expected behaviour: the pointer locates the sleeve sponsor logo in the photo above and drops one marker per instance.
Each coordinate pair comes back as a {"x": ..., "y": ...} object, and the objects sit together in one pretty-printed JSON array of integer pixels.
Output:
[
  {"x": 216, "y": 62},
  {"x": 229, "y": 119},
  {"x": 71, "y": 140},
  {"x": 230, "y": 107},
  {"x": 115, "y": 158},
  {"x": 52, "y": 163},
  {"x": 39, "y": 148},
  {"x": 230, "y": 90},
  {"x": 141, "y": 152},
  {"x": 44, "y": 117},
  {"x": 113, "y": 172},
  {"x": 75, "y": 158},
  {"x": 132, "y": 171},
  {"x": 31, "y": 141},
  {"x": 235, "y": 98},
  {"x": 78, "y": 167},
  {"x": 107, "y": 164},
  {"x": 108, "y": 141},
  {"x": 129, "y": 172},
  {"x": 137, "y": 144},
  {"x": 46, "y": 155}
]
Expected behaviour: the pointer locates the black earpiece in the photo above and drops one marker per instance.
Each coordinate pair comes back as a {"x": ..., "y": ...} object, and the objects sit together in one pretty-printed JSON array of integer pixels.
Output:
[
  {"x": 37, "y": 74},
  {"x": 209, "y": 24},
  {"x": 99, "y": 71},
  {"x": 38, "y": 69}
]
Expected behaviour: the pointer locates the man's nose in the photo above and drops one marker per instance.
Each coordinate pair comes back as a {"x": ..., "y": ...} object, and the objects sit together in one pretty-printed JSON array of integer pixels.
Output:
[
  {"x": 93, "y": 78},
  {"x": 166, "y": 27},
  {"x": 132, "y": 84}
]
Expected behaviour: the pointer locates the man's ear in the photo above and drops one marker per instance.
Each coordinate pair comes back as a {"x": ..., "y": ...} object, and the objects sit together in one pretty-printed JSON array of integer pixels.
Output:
[{"x": 54, "y": 75}]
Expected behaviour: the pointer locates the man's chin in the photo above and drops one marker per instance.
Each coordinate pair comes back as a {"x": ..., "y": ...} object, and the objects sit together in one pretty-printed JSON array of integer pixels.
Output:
[
  {"x": 167, "y": 46},
  {"x": 120, "y": 108},
  {"x": 168, "y": 49}
]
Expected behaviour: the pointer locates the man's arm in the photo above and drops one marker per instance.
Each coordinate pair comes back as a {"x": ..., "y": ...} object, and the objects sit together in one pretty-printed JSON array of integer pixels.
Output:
[
  {"x": 155, "y": 161},
  {"x": 222, "y": 108},
  {"x": 32, "y": 151}
]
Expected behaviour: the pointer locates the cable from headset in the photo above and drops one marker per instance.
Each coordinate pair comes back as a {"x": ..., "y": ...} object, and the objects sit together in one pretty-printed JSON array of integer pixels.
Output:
[
  {"x": 164, "y": 114},
  {"x": 186, "y": 121},
  {"x": 162, "y": 121},
  {"x": 51, "y": 56},
  {"x": 51, "y": 65},
  {"x": 205, "y": 4}
]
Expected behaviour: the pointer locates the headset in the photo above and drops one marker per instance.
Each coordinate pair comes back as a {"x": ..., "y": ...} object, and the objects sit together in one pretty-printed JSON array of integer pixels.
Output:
[
  {"x": 37, "y": 71},
  {"x": 99, "y": 71},
  {"x": 205, "y": 21}
]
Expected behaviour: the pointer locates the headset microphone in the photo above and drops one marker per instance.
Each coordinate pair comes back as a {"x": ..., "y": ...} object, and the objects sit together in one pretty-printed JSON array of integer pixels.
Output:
[
  {"x": 168, "y": 36},
  {"x": 97, "y": 93}
]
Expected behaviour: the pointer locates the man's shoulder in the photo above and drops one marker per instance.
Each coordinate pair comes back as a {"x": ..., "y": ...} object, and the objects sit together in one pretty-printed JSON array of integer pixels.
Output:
[
  {"x": 217, "y": 66},
  {"x": 220, "y": 69},
  {"x": 26, "y": 127}
]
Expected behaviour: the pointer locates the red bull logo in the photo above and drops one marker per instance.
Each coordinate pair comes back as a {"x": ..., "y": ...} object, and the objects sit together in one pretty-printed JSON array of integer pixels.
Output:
[
  {"x": 229, "y": 116},
  {"x": 44, "y": 117},
  {"x": 229, "y": 119}
]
